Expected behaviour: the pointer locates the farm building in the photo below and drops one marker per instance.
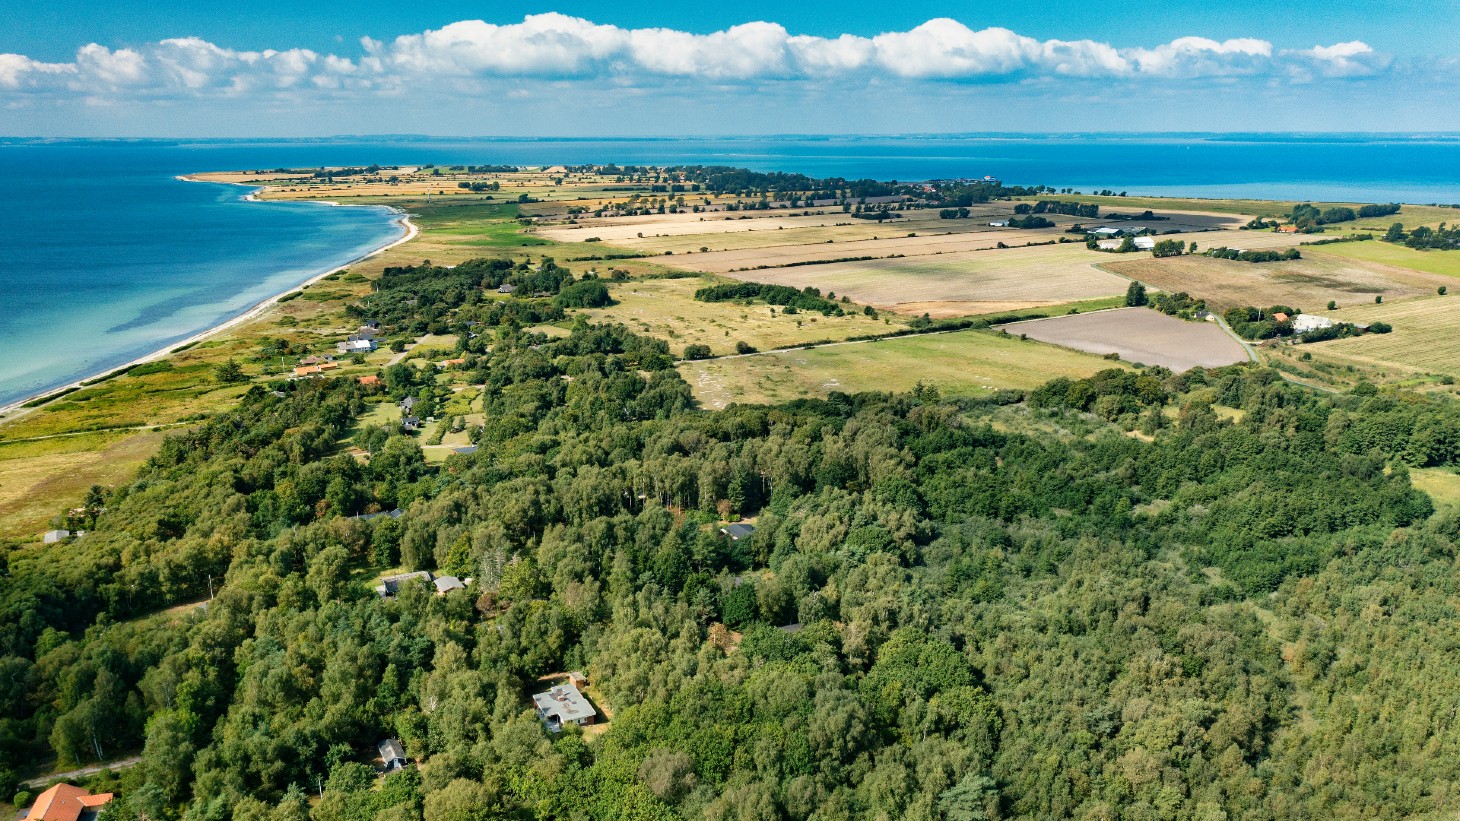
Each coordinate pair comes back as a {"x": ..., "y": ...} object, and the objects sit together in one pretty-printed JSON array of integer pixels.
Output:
[
  {"x": 465, "y": 450},
  {"x": 1145, "y": 243},
  {"x": 370, "y": 380},
  {"x": 53, "y": 536},
  {"x": 64, "y": 802},
  {"x": 564, "y": 704},
  {"x": 1303, "y": 323},
  {"x": 392, "y": 755},
  {"x": 390, "y": 585}
]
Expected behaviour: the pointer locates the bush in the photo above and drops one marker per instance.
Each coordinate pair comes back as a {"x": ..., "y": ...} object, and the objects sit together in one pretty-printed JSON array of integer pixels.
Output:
[
  {"x": 697, "y": 352},
  {"x": 1380, "y": 327},
  {"x": 744, "y": 348},
  {"x": 21, "y": 799}
]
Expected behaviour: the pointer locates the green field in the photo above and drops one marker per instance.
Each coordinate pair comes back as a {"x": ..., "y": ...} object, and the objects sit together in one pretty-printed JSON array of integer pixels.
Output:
[
  {"x": 961, "y": 363},
  {"x": 1446, "y": 263}
]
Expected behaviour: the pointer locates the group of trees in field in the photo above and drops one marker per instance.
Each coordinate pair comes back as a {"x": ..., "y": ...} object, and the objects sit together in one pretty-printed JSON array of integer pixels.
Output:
[
  {"x": 1254, "y": 256},
  {"x": 1442, "y": 237},
  {"x": 1309, "y": 218},
  {"x": 1074, "y": 209},
  {"x": 1006, "y": 608},
  {"x": 793, "y": 299}
]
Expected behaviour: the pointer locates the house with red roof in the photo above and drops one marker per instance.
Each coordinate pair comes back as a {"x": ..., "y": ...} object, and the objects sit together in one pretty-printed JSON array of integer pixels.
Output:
[{"x": 64, "y": 802}]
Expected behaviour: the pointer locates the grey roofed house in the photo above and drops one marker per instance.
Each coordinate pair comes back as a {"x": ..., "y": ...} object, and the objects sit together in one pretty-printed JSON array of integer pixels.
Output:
[
  {"x": 410, "y": 423},
  {"x": 389, "y": 585},
  {"x": 506, "y": 288},
  {"x": 408, "y": 403},
  {"x": 370, "y": 517},
  {"x": 446, "y": 584},
  {"x": 392, "y": 754},
  {"x": 738, "y": 531},
  {"x": 53, "y": 536},
  {"x": 362, "y": 334},
  {"x": 563, "y": 704},
  {"x": 465, "y": 450}
]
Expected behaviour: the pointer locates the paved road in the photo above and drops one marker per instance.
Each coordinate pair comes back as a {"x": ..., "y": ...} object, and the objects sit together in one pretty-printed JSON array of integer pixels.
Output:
[{"x": 71, "y": 775}]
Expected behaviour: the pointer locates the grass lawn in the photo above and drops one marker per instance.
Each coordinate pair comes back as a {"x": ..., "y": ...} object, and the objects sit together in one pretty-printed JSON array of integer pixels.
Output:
[{"x": 961, "y": 363}]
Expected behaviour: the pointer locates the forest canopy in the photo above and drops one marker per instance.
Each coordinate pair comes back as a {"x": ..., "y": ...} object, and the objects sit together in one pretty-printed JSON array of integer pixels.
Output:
[{"x": 1105, "y": 600}]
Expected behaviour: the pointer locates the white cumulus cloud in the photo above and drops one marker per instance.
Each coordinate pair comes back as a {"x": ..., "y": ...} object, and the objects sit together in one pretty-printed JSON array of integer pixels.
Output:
[{"x": 469, "y": 55}]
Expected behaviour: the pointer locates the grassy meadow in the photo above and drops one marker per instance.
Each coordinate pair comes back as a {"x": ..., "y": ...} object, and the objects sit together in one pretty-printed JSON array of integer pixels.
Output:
[{"x": 959, "y": 363}]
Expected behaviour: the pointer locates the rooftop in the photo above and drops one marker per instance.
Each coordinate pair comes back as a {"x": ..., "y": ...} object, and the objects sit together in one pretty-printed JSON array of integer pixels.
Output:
[
  {"x": 563, "y": 704},
  {"x": 64, "y": 802}
]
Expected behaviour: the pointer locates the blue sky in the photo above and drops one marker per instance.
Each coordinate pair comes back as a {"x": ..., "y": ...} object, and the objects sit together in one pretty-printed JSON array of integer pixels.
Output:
[{"x": 201, "y": 68}]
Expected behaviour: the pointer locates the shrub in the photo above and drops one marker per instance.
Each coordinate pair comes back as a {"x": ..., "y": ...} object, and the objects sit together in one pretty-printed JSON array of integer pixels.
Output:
[{"x": 697, "y": 352}]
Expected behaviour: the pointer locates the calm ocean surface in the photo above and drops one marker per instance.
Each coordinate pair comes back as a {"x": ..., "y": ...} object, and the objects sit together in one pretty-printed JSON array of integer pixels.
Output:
[{"x": 104, "y": 256}]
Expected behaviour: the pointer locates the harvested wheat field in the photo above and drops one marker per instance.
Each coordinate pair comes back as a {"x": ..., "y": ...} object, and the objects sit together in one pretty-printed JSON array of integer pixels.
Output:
[
  {"x": 967, "y": 283},
  {"x": 1308, "y": 283},
  {"x": 1138, "y": 335},
  {"x": 1426, "y": 336}
]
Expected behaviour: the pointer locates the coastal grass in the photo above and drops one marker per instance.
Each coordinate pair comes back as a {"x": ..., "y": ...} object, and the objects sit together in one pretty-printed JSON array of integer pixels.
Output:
[
  {"x": 43, "y": 478},
  {"x": 667, "y": 309},
  {"x": 959, "y": 363}
]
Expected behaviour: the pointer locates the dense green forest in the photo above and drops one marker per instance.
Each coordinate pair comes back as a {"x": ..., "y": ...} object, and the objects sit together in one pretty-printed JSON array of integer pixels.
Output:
[{"x": 1106, "y": 599}]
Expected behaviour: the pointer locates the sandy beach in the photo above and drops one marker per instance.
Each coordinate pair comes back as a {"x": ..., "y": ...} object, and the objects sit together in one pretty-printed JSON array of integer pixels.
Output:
[{"x": 16, "y": 410}]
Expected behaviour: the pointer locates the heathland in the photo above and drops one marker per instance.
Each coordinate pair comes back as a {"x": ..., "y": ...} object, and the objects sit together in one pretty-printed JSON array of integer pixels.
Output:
[{"x": 813, "y": 544}]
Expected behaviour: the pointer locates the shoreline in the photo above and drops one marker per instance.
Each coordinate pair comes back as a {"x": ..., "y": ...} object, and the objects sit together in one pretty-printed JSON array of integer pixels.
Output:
[{"x": 16, "y": 410}]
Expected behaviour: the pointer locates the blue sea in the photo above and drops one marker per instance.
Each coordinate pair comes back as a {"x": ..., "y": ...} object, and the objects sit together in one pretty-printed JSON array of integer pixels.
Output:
[{"x": 106, "y": 256}]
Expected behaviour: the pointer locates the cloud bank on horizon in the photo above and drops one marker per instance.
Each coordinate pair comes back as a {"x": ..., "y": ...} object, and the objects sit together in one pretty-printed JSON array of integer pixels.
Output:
[{"x": 470, "y": 55}]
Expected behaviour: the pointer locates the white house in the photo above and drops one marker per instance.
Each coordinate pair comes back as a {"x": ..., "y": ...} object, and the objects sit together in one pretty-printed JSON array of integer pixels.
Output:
[
  {"x": 563, "y": 704},
  {"x": 1303, "y": 323},
  {"x": 357, "y": 345}
]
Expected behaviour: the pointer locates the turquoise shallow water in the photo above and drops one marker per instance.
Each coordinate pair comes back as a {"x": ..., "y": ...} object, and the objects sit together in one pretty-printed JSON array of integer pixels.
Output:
[{"x": 104, "y": 256}]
